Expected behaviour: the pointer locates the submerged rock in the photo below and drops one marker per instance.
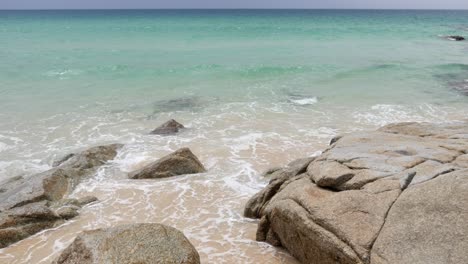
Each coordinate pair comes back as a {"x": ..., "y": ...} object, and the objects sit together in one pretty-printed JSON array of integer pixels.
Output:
[
  {"x": 130, "y": 244},
  {"x": 68, "y": 212},
  {"x": 170, "y": 127},
  {"x": 181, "y": 162},
  {"x": 62, "y": 160},
  {"x": 460, "y": 86},
  {"x": 178, "y": 104},
  {"x": 397, "y": 195},
  {"x": 86, "y": 200},
  {"x": 29, "y": 205},
  {"x": 456, "y": 38}
]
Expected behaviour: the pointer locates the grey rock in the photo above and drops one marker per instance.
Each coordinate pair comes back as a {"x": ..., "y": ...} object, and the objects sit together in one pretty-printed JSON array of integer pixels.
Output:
[
  {"x": 27, "y": 204},
  {"x": 180, "y": 162},
  {"x": 21, "y": 222},
  {"x": 170, "y": 127},
  {"x": 130, "y": 244},
  {"x": 67, "y": 212},
  {"x": 62, "y": 160},
  {"x": 87, "y": 200}
]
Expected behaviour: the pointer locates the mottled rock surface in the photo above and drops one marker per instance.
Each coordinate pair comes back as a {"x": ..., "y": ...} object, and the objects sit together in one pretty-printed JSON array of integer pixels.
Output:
[
  {"x": 180, "y": 162},
  {"x": 29, "y": 205},
  {"x": 170, "y": 127},
  {"x": 396, "y": 195},
  {"x": 130, "y": 244}
]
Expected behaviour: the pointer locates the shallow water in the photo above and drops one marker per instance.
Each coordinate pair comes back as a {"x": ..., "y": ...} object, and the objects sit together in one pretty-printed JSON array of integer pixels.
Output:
[{"x": 256, "y": 89}]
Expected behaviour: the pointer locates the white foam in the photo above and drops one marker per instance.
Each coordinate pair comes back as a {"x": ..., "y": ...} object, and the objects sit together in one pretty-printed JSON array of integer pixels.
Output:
[
  {"x": 234, "y": 141},
  {"x": 305, "y": 101},
  {"x": 63, "y": 74},
  {"x": 4, "y": 146},
  {"x": 383, "y": 114}
]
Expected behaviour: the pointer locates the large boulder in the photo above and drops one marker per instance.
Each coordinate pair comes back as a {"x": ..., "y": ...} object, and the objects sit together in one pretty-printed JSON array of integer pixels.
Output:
[
  {"x": 170, "y": 127},
  {"x": 181, "y": 162},
  {"x": 130, "y": 244},
  {"x": 396, "y": 195},
  {"x": 29, "y": 205}
]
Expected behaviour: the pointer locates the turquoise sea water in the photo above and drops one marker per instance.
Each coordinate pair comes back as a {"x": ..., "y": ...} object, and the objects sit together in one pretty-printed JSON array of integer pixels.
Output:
[
  {"x": 70, "y": 58},
  {"x": 256, "y": 88}
]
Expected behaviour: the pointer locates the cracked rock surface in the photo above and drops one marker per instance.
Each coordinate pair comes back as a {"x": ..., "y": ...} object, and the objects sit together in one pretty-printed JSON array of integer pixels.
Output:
[
  {"x": 32, "y": 204},
  {"x": 396, "y": 195}
]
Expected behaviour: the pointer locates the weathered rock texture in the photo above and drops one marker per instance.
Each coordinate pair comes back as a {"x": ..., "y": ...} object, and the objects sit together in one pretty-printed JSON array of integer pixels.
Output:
[
  {"x": 181, "y": 162},
  {"x": 29, "y": 205},
  {"x": 130, "y": 244},
  {"x": 170, "y": 127},
  {"x": 397, "y": 195}
]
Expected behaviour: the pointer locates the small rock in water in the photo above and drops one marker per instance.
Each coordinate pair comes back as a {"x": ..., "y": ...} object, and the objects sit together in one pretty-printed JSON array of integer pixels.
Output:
[
  {"x": 62, "y": 160},
  {"x": 170, "y": 127},
  {"x": 181, "y": 162},
  {"x": 67, "y": 212},
  {"x": 456, "y": 38},
  {"x": 137, "y": 243},
  {"x": 87, "y": 200}
]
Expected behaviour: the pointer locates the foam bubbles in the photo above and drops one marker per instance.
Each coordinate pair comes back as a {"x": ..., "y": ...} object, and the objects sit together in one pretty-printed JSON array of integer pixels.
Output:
[{"x": 305, "y": 101}]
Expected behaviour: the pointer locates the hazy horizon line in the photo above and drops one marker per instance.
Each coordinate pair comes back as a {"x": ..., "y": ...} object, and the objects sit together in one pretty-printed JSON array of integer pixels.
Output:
[{"x": 214, "y": 8}]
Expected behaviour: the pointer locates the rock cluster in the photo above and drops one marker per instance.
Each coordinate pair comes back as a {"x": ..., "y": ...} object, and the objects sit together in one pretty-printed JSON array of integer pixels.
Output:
[
  {"x": 29, "y": 205},
  {"x": 397, "y": 195}
]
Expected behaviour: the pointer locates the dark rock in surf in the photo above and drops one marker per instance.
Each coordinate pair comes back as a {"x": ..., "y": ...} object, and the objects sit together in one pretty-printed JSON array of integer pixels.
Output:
[
  {"x": 460, "y": 86},
  {"x": 455, "y": 38},
  {"x": 170, "y": 127},
  {"x": 137, "y": 243},
  {"x": 181, "y": 162},
  {"x": 87, "y": 200},
  {"x": 67, "y": 212},
  {"x": 31, "y": 204},
  {"x": 62, "y": 160}
]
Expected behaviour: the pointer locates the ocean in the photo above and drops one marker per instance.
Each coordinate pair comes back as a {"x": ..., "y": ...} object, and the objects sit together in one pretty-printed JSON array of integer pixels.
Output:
[{"x": 255, "y": 88}]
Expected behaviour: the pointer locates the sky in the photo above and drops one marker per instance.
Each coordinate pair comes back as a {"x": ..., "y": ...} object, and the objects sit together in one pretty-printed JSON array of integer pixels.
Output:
[{"x": 136, "y": 4}]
